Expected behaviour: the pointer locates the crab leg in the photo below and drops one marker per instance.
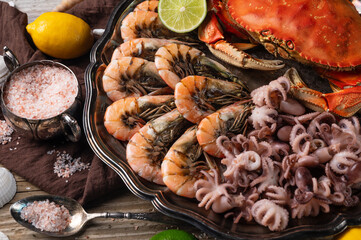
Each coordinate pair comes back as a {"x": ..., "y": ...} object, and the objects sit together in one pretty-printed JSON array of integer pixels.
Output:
[
  {"x": 232, "y": 55},
  {"x": 344, "y": 103},
  {"x": 211, "y": 32},
  {"x": 341, "y": 80}
]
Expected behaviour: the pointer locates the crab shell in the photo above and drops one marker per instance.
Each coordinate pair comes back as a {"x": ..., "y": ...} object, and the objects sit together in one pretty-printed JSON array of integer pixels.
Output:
[{"x": 322, "y": 33}]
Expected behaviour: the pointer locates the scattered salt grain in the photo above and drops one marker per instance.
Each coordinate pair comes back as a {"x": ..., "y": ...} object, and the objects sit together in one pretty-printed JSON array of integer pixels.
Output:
[
  {"x": 5, "y": 132},
  {"x": 46, "y": 216},
  {"x": 50, "y": 152},
  {"x": 202, "y": 236},
  {"x": 65, "y": 165},
  {"x": 40, "y": 92}
]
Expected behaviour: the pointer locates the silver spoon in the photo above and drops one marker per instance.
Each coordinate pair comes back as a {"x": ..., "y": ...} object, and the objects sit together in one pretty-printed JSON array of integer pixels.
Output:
[{"x": 79, "y": 217}]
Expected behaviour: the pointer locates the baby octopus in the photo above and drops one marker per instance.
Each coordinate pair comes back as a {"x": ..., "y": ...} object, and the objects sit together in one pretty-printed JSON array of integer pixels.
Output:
[
  {"x": 287, "y": 163},
  {"x": 263, "y": 116},
  {"x": 269, "y": 214},
  {"x": 213, "y": 194}
]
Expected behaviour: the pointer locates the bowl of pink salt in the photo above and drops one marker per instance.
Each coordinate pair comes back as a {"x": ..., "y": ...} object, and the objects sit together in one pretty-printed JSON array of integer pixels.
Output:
[{"x": 41, "y": 98}]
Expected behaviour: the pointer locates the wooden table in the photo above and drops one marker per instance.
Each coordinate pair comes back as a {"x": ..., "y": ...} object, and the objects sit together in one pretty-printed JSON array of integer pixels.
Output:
[{"x": 123, "y": 200}]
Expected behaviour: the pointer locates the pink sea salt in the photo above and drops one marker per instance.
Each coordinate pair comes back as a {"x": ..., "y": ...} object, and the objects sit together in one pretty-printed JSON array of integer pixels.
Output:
[
  {"x": 65, "y": 165},
  {"x": 5, "y": 132},
  {"x": 46, "y": 216},
  {"x": 40, "y": 92}
]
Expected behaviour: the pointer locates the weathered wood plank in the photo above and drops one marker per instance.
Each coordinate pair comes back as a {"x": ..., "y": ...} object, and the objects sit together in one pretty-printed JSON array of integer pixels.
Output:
[
  {"x": 122, "y": 201},
  {"x": 34, "y": 7}
]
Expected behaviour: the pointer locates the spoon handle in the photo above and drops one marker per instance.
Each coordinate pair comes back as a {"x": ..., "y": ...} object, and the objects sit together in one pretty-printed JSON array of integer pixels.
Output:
[{"x": 150, "y": 216}]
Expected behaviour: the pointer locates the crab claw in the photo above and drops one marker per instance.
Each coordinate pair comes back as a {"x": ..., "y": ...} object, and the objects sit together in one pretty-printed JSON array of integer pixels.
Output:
[
  {"x": 232, "y": 55},
  {"x": 210, "y": 30},
  {"x": 310, "y": 98},
  {"x": 341, "y": 80},
  {"x": 344, "y": 103},
  {"x": 211, "y": 33}
]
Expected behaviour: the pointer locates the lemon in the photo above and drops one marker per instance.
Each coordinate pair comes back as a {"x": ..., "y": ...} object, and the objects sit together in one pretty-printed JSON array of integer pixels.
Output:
[
  {"x": 350, "y": 234},
  {"x": 173, "y": 234},
  {"x": 61, "y": 35},
  {"x": 182, "y": 16}
]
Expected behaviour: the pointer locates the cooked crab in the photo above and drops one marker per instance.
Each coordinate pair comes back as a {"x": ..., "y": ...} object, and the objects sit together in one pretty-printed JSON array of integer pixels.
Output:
[{"x": 324, "y": 33}]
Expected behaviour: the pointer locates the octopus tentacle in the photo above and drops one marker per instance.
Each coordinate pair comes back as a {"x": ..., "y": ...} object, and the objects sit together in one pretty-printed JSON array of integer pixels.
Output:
[
  {"x": 263, "y": 116},
  {"x": 269, "y": 214},
  {"x": 272, "y": 94},
  {"x": 342, "y": 161},
  {"x": 211, "y": 193},
  {"x": 269, "y": 177},
  {"x": 277, "y": 194},
  {"x": 311, "y": 208}
]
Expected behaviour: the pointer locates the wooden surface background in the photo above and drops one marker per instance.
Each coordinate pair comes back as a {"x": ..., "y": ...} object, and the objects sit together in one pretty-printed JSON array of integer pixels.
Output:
[{"x": 122, "y": 200}]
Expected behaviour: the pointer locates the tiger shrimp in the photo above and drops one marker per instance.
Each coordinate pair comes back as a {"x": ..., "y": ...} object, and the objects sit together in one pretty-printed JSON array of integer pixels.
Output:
[
  {"x": 228, "y": 120},
  {"x": 125, "y": 117},
  {"x": 145, "y": 24},
  {"x": 151, "y": 5},
  {"x": 197, "y": 97},
  {"x": 147, "y": 148},
  {"x": 182, "y": 165},
  {"x": 131, "y": 77},
  {"x": 177, "y": 61},
  {"x": 141, "y": 47}
]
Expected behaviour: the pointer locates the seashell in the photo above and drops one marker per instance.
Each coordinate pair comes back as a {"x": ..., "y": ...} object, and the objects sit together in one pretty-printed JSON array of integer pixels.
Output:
[
  {"x": 3, "y": 236},
  {"x": 7, "y": 186}
]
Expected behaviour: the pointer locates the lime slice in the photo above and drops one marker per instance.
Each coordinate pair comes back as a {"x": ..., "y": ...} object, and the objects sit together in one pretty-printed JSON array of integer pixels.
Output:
[
  {"x": 173, "y": 234},
  {"x": 182, "y": 15}
]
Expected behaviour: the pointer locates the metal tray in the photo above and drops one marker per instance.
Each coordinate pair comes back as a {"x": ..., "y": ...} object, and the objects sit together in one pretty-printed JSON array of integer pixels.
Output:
[{"x": 112, "y": 152}]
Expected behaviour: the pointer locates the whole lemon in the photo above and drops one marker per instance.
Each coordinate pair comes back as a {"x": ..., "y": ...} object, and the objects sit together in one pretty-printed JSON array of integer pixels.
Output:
[
  {"x": 61, "y": 35},
  {"x": 350, "y": 234}
]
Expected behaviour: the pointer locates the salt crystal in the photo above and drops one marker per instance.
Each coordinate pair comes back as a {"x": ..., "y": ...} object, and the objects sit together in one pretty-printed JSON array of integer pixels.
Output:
[
  {"x": 46, "y": 216},
  {"x": 65, "y": 165},
  {"x": 40, "y": 92},
  {"x": 5, "y": 132},
  {"x": 50, "y": 152}
]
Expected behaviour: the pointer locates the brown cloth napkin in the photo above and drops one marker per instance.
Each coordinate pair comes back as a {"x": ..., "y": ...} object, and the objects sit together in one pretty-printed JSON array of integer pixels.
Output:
[{"x": 34, "y": 160}]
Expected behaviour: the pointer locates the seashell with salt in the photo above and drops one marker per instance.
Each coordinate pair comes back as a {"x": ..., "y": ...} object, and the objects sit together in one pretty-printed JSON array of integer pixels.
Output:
[{"x": 7, "y": 186}]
